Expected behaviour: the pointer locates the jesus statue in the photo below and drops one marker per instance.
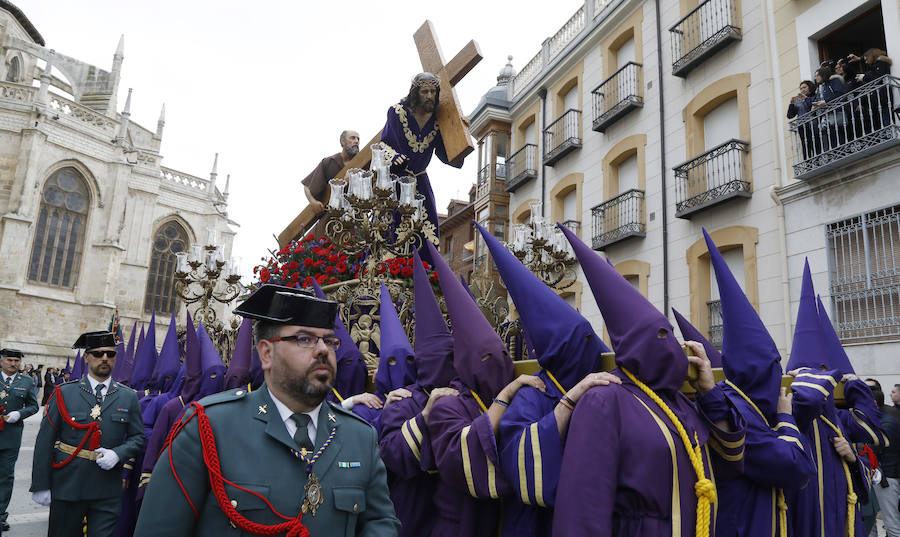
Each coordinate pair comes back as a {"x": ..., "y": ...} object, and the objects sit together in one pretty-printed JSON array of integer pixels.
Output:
[{"x": 411, "y": 135}]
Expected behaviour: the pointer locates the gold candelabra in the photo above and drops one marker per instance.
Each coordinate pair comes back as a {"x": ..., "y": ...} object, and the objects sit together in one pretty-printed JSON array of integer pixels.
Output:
[
  {"x": 203, "y": 278},
  {"x": 378, "y": 214},
  {"x": 542, "y": 247}
]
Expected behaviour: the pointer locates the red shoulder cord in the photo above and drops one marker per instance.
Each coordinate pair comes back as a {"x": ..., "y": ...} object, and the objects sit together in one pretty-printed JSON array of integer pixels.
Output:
[
  {"x": 92, "y": 429},
  {"x": 2, "y": 421},
  {"x": 292, "y": 527}
]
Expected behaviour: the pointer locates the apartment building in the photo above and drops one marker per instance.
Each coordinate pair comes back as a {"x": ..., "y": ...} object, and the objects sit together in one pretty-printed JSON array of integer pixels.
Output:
[{"x": 640, "y": 122}]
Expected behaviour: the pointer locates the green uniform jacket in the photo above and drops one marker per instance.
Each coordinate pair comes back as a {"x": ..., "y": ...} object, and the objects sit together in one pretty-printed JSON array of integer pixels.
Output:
[
  {"x": 121, "y": 430},
  {"x": 255, "y": 453},
  {"x": 19, "y": 396}
]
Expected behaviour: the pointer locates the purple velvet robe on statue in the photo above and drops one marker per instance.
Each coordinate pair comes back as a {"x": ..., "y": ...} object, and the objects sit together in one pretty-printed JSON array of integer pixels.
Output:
[{"x": 403, "y": 135}]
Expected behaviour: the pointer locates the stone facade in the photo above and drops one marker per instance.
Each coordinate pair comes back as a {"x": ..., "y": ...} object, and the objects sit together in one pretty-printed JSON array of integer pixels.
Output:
[{"x": 58, "y": 113}]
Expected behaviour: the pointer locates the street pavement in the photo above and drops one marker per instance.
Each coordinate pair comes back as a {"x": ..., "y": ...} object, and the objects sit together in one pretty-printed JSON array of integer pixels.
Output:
[{"x": 26, "y": 518}]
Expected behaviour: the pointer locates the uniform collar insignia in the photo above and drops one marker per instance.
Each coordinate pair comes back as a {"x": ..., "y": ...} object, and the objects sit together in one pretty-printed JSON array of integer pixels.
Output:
[
  {"x": 331, "y": 417},
  {"x": 264, "y": 409}
]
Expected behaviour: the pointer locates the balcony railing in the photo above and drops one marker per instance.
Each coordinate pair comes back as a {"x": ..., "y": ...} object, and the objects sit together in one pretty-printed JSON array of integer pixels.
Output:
[
  {"x": 857, "y": 124},
  {"x": 486, "y": 184},
  {"x": 715, "y": 322},
  {"x": 521, "y": 167},
  {"x": 480, "y": 262},
  {"x": 617, "y": 95},
  {"x": 708, "y": 28},
  {"x": 714, "y": 177},
  {"x": 562, "y": 136},
  {"x": 618, "y": 219},
  {"x": 573, "y": 225}
]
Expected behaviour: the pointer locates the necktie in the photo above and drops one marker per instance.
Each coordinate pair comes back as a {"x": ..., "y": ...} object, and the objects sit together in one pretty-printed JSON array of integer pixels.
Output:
[
  {"x": 98, "y": 392},
  {"x": 301, "y": 437}
]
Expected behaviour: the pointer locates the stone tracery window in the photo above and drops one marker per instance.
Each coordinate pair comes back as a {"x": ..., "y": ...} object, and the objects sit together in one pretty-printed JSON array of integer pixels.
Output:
[
  {"x": 170, "y": 239},
  {"x": 60, "y": 229}
]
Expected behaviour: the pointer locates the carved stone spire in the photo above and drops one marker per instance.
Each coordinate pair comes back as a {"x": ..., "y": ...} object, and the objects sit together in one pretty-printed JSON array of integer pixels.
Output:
[
  {"x": 161, "y": 122},
  {"x": 126, "y": 115}
]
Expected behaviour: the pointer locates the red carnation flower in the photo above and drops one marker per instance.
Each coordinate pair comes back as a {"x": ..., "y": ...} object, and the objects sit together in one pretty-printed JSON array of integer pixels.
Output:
[
  {"x": 380, "y": 269},
  {"x": 333, "y": 280},
  {"x": 329, "y": 269},
  {"x": 433, "y": 278},
  {"x": 406, "y": 272},
  {"x": 307, "y": 262},
  {"x": 295, "y": 276},
  {"x": 309, "y": 237},
  {"x": 255, "y": 269},
  {"x": 264, "y": 275},
  {"x": 321, "y": 278},
  {"x": 293, "y": 265},
  {"x": 333, "y": 258},
  {"x": 341, "y": 268},
  {"x": 395, "y": 270},
  {"x": 307, "y": 281}
]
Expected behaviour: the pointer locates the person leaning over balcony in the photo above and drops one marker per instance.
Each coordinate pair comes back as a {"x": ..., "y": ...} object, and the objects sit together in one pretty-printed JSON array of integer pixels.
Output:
[
  {"x": 801, "y": 104},
  {"x": 877, "y": 64},
  {"x": 886, "y": 481},
  {"x": 831, "y": 123}
]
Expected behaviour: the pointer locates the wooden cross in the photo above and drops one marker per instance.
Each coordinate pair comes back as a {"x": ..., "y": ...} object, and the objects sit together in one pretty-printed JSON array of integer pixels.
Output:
[{"x": 453, "y": 123}]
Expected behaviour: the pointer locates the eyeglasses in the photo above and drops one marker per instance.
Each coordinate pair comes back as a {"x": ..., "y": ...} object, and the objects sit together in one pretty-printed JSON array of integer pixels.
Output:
[
  {"x": 99, "y": 354},
  {"x": 308, "y": 341}
]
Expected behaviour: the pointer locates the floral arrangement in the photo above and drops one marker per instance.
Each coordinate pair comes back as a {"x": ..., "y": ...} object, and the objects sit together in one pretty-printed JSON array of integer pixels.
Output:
[{"x": 310, "y": 259}]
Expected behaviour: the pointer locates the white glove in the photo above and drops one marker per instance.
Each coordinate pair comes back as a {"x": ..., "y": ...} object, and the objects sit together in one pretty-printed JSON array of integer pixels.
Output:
[
  {"x": 348, "y": 403},
  {"x": 108, "y": 458},
  {"x": 41, "y": 497},
  {"x": 13, "y": 416}
]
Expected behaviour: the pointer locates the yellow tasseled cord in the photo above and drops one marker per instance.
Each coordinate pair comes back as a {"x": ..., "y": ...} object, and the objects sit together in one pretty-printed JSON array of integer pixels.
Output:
[
  {"x": 703, "y": 488},
  {"x": 851, "y": 496},
  {"x": 782, "y": 513}
]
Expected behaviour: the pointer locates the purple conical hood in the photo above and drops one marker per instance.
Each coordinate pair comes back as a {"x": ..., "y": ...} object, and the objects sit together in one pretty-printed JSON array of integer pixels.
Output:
[
  {"x": 690, "y": 333},
  {"x": 396, "y": 361},
  {"x": 145, "y": 361},
  {"x": 212, "y": 377},
  {"x": 169, "y": 362},
  {"x": 177, "y": 384},
  {"x": 127, "y": 359},
  {"x": 350, "y": 377},
  {"x": 78, "y": 368},
  {"x": 479, "y": 356},
  {"x": 808, "y": 348},
  {"x": 642, "y": 337},
  {"x": 465, "y": 284},
  {"x": 256, "y": 372},
  {"x": 192, "y": 369},
  {"x": 434, "y": 344},
  {"x": 565, "y": 342},
  {"x": 749, "y": 354},
  {"x": 238, "y": 373},
  {"x": 837, "y": 357},
  {"x": 68, "y": 368}
]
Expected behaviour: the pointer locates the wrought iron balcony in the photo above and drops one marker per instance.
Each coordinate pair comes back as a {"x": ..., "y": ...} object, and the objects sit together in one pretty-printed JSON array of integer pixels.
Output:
[
  {"x": 573, "y": 225},
  {"x": 619, "y": 218},
  {"x": 708, "y": 28},
  {"x": 714, "y": 177},
  {"x": 854, "y": 126},
  {"x": 617, "y": 95},
  {"x": 715, "y": 322},
  {"x": 521, "y": 167},
  {"x": 480, "y": 262},
  {"x": 562, "y": 136},
  {"x": 486, "y": 183}
]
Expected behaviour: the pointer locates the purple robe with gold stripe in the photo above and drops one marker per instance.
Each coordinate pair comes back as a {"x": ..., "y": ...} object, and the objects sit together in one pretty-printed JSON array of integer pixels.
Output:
[{"x": 465, "y": 452}]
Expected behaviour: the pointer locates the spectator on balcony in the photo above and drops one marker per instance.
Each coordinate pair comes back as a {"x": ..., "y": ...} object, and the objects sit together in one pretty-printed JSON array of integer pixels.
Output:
[
  {"x": 801, "y": 104},
  {"x": 832, "y": 123},
  {"x": 875, "y": 109}
]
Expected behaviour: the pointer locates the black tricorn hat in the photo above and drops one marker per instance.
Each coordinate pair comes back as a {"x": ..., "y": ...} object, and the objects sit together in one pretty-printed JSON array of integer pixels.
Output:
[
  {"x": 286, "y": 305},
  {"x": 94, "y": 340},
  {"x": 12, "y": 353}
]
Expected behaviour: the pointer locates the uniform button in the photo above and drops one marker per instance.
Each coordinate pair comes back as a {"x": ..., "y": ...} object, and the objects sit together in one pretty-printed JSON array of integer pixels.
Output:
[
  {"x": 355, "y": 507},
  {"x": 239, "y": 392}
]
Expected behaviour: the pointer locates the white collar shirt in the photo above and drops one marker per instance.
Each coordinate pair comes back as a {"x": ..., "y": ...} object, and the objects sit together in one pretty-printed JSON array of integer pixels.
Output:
[
  {"x": 285, "y": 414},
  {"x": 94, "y": 382}
]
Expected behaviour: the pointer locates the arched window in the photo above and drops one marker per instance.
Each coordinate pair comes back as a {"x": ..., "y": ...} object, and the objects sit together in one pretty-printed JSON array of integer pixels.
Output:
[
  {"x": 169, "y": 240},
  {"x": 12, "y": 74},
  {"x": 60, "y": 229}
]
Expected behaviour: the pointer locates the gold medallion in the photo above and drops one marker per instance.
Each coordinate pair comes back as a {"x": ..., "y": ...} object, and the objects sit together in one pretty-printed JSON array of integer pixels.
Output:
[
  {"x": 313, "y": 495},
  {"x": 304, "y": 453},
  {"x": 95, "y": 412},
  {"x": 3, "y": 394}
]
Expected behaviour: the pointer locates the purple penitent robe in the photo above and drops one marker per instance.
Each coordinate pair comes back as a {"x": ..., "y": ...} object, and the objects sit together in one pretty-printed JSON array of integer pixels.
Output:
[
  {"x": 625, "y": 469},
  {"x": 470, "y": 483},
  {"x": 404, "y": 136},
  {"x": 412, "y": 474},
  {"x": 828, "y": 488}
]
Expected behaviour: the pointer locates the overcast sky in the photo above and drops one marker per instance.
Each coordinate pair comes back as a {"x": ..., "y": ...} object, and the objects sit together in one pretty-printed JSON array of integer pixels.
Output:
[{"x": 270, "y": 85}]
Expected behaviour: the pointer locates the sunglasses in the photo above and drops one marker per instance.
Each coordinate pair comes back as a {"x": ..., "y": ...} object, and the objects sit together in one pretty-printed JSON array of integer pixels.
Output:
[{"x": 99, "y": 354}]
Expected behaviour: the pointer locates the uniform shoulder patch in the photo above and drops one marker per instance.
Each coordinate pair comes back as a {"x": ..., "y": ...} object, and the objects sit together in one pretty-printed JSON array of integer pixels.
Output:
[
  {"x": 341, "y": 410},
  {"x": 223, "y": 397},
  {"x": 125, "y": 387}
]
